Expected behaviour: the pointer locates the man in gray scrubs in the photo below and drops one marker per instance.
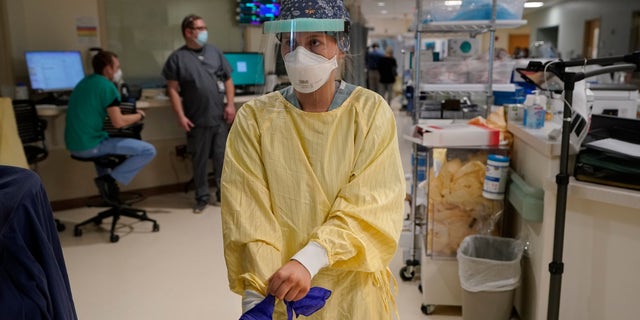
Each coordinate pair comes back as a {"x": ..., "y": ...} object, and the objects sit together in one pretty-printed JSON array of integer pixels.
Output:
[{"x": 198, "y": 79}]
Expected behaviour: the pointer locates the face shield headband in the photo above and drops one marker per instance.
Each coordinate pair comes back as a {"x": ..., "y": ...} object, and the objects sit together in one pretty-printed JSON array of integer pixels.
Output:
[{"x": 338, "y": 28}]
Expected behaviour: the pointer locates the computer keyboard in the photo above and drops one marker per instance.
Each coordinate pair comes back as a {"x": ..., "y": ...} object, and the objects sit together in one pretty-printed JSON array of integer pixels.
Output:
[{"x": 61, "y": 102}]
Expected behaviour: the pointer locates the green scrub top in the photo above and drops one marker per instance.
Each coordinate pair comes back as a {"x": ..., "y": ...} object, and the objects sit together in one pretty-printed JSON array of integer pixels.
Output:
[{"x": 86, "y": 112}]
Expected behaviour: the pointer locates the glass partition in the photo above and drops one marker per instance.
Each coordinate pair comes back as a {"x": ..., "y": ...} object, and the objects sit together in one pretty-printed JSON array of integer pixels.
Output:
[{"x": 144, "y": 32}]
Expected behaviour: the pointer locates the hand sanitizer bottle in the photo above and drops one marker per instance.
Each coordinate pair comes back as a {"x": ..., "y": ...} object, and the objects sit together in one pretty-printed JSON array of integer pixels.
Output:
[{"x": 535, "y": 111}]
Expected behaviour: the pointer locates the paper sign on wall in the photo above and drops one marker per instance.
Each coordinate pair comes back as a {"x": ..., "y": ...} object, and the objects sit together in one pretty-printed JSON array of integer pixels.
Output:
[{"x": 87, "y": 31}]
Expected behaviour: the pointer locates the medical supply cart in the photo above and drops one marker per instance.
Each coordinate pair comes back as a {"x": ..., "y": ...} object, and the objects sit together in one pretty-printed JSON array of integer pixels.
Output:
[{"x": 439, "y": 270}]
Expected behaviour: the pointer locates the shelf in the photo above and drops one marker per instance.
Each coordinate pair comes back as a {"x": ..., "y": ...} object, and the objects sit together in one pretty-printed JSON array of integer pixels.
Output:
[
  {"x": 466, "y": 87},
  {"x": 473, "y": 27}
]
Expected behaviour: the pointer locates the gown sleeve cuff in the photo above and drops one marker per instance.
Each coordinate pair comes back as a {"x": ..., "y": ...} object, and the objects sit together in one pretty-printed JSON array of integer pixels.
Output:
[
  {"x": 250, "y": 299},
  {"x": 313, "y": 257}
]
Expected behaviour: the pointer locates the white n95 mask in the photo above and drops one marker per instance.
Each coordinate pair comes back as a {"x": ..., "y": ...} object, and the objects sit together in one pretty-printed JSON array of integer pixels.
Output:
[
  {"x": 308, "y": 71},
  {"x": 117, "y": 77}
]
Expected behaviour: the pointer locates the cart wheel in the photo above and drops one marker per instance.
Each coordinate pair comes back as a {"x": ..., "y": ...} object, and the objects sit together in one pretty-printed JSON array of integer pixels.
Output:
[
  {"x": 114, "y": 238},
  {"x": 405, "y": 274},
  {"x": 77, "y": 232},
  {"x": 427, "y": 308},
  {"x": 156, "y": 227},
  {"x": 420, "y": 288}
]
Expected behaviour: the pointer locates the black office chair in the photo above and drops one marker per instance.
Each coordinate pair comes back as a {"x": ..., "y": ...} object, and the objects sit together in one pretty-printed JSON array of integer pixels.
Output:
[
  {"x": 31, "y": 130},
  {"x": 120, "y": 208},
  {"x": 116, "y": 210}
]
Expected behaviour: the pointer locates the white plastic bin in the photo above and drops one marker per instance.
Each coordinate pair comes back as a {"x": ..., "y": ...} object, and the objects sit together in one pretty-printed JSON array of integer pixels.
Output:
[{"x": 489, "y": 270}]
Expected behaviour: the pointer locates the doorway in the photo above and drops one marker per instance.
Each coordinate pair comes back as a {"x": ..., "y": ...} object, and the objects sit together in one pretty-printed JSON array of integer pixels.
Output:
[
  {"x": 548, "y": 38},
  {"x": 591, "y": 38},
  {"x": 634, "y": 42},
  {"x": 518, "y": 41}
]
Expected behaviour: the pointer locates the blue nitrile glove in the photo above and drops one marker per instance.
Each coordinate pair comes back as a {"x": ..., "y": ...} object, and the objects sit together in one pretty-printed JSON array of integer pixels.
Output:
[{"x": 312, "y": 302}]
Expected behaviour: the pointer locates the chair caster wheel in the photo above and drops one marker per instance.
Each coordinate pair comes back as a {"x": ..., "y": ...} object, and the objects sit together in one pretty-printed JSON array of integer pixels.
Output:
[
  {"x": 77, "y": 232},
  {"x": 60, "y": 226},
  {"x": 407, "y": 273},
  {"x": 114, "y": 238},
  {"x": 156, "y": 227},
  {"x": 427, "y": 308}
]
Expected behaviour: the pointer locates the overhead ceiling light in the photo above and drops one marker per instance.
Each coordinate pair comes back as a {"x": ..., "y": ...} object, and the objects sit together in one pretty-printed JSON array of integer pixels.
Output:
[
  {"x": 381, "y": 4},
  {"x": 533, "y": 4},
  {"x": 453, "y": 2},
  {"x": 384, "y": 11}
]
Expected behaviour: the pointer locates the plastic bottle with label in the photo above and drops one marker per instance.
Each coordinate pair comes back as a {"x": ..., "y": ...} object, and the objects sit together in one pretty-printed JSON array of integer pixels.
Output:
[
  {"x": 535, "y": 111},
  {"x": 495, "y": 179}
]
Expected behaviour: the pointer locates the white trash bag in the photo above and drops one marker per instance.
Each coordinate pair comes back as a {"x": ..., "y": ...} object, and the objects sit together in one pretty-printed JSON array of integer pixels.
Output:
[{"x": 488, "y": 263}]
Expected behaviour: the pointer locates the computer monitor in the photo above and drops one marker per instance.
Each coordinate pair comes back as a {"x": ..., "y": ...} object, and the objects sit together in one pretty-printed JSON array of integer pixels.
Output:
[
  {"x": 54, "y": 71},
  {"x": 248, "y": 69}
]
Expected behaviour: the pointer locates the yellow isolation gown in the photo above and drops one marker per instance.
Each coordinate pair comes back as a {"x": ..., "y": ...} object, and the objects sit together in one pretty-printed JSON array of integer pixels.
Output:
[{"x": 335, "y": 178}]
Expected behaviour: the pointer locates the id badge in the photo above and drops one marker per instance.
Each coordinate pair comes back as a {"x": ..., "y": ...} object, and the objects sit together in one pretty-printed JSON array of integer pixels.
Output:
[{"x": 220, "y": 86}]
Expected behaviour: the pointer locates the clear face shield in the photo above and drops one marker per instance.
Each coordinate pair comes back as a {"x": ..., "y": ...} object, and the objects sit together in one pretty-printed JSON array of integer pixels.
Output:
[{"x": 305, "y": 52}]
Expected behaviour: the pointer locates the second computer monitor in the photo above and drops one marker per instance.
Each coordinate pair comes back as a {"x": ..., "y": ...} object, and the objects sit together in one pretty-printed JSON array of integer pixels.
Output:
[{"x": 248, "y": 70}]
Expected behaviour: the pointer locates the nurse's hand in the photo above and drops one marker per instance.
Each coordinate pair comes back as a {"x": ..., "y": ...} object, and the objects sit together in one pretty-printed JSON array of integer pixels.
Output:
[
  {"x": 291, "y": 282},
  {"x": 230, "y": 112},
  {"x": 185, "y": 123}
]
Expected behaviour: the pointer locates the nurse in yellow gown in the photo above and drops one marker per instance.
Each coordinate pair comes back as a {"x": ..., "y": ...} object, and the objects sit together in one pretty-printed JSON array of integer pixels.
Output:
[{"x": 313, "y": 187}]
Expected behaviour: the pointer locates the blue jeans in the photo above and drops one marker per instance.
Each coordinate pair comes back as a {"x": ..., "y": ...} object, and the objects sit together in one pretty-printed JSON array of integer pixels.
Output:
[{"x": 140, "y": 153}]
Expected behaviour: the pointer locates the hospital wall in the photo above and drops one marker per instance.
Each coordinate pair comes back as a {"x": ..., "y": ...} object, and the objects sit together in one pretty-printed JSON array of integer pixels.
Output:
[{"x": 570, "y": 16}]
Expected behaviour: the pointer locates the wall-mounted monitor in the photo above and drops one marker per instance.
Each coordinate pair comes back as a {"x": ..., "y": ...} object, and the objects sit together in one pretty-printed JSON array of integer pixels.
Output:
[
  {"x": 54, "y": 71},
  {"x": 257, "y": 11},
  {"x": 248, "y": 68}
]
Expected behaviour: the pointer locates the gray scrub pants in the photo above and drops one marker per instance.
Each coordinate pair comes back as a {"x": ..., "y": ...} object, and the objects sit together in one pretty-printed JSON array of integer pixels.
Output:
[{"x": 207, "y": 142}]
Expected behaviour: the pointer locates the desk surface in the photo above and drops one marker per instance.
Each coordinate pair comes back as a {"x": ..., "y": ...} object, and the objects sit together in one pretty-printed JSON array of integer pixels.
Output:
[{"x": 49, "y": 110}]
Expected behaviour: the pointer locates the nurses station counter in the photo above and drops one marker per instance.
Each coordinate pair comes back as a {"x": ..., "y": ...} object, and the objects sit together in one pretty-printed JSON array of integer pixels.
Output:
[
  {"x": 601, "y": 246},
  {"x": 151, "y": 98},
  {"x": 68, "y": 179}
]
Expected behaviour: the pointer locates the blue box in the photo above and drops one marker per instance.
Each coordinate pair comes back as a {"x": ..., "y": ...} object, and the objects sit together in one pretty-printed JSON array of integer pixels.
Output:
[{"x": 508, "y": 97}]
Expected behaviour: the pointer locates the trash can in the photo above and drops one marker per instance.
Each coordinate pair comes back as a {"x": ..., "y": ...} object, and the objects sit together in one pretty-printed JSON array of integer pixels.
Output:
[{"x": 489, "y": 270}]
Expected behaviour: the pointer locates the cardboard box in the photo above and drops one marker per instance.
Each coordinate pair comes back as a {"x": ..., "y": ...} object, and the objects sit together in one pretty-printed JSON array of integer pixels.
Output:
[{"x": 456, "y": 134}]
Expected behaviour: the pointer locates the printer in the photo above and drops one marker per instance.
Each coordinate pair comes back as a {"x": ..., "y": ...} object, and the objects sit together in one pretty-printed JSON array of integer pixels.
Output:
[
  {"x": 615, "y": 100},
  {"x": 610, "y": 153}
]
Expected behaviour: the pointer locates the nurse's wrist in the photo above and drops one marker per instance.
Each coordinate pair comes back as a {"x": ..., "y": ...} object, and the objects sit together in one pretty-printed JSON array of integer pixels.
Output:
[{"x": 313, "y": 257}]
